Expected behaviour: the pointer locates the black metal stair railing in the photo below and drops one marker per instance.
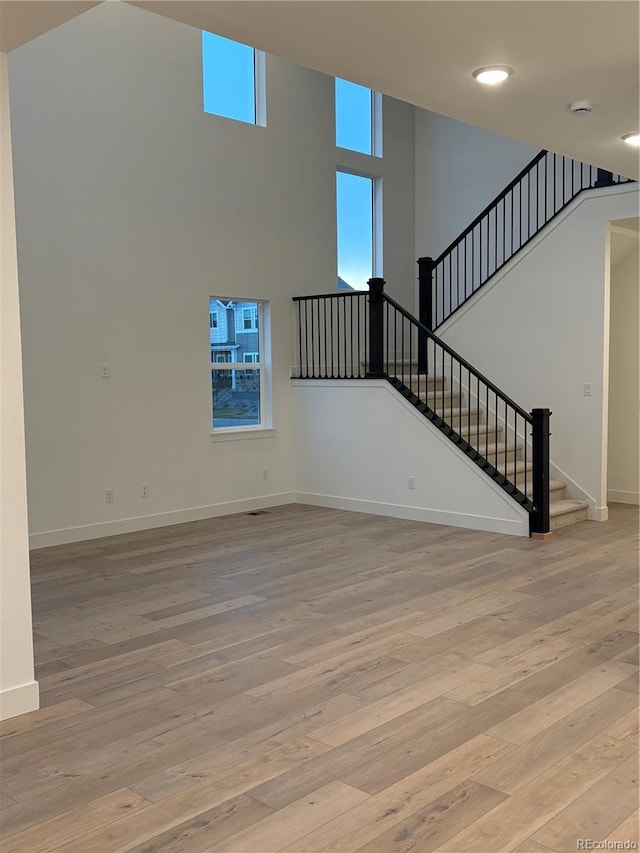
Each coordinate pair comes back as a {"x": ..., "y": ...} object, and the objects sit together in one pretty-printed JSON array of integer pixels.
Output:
[
  {"x": 370, "y": 336},
  {"x": 333, "y": 335},
  {"x": 516, "y": 215}
]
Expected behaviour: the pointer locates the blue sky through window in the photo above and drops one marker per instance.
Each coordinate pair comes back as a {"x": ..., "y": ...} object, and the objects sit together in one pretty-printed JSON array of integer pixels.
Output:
[
  {"x": 355, "y": 229},
  {"x": 354, "y": 117},
  {"x": 228, "y": 78}
]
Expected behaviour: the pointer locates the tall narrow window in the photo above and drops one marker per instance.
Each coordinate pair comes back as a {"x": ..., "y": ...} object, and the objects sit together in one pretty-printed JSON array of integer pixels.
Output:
[
  {"x": 358, "y": 119},
  {"x": 355, "y": 196},
  {"x": 229, "y": 78},
  {"x": 238, "y": 365}
]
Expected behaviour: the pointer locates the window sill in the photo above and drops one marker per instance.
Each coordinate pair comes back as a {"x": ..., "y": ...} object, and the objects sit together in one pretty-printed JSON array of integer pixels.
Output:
[{"x": 242, "y": 435}]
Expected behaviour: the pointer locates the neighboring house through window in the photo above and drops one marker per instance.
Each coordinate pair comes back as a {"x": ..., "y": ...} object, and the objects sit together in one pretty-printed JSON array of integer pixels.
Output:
[{"x": 238, "y": 365}]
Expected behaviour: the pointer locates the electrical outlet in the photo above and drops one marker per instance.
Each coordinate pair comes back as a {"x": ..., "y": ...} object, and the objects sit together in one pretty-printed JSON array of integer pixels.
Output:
[
  {"x": 411, "y": 482},
  {"x": 108, "y": 496},
  {"x": 144, "y": 491},
  {"x": 104, "y": 371},
  {"x": 588, "y": 389},
  {"x": 265, "y": 473}
]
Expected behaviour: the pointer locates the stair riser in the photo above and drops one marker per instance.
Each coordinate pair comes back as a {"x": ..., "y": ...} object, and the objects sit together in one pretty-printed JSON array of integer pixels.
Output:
[
  {"x": 415, "y": 381},
  {"x": 455, "y": 421},
  {"x": 554, "y": 494},
  {"x": 569, "y": 518},
  {"x": 479, "y": 437},
  {"x": 437, "y": 398},
  {"x": 510, "y": 455}
]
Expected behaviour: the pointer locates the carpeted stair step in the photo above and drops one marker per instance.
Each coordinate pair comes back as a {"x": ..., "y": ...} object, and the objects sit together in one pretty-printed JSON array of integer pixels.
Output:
[
  {"x": 470, "y": 424},
  {"x": 557, "y": 489},
  {"x": 500, "y": 452},
  {"x": 459, "y": 420},
  {"x": 414, "y": 379},
  {"x": 564, "y": 512},
  {"x": 479, "y": 434}
]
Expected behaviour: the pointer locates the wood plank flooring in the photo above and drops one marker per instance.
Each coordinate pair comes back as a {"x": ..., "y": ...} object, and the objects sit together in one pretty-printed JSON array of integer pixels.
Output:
[{"x": 312, "y": 681}]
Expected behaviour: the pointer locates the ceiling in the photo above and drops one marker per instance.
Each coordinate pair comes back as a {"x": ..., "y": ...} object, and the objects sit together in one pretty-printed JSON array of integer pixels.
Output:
[
  {"x": 423, "y": 52},
  {"x": 23, "y": 20}
]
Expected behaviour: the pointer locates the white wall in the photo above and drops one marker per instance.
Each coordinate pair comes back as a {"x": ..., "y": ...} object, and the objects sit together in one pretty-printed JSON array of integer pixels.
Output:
[
  {"x": 356, "y": 445},
  {"x": 540, "y": 331},
  {"x": 132, "y": 208},
  {"x": 624, "y": 370},
  {"x": 18, "y": 690},
  {"x": 459, "y": 170}
]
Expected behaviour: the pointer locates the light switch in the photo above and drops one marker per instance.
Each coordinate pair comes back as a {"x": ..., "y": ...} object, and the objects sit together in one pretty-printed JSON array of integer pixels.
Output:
[{"x": 588, "y": 389}]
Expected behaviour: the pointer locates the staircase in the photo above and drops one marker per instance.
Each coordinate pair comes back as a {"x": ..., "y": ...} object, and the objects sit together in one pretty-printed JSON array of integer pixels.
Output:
[
  {"x": 370, "y": 336},
  {"x": 450, "y": 403},
  {"x": 355, "y": 335},
  {"x": 537, "y": 194}
]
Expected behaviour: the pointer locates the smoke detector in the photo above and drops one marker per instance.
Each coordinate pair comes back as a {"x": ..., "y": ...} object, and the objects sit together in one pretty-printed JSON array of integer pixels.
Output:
[{"x": 581, "y": 108}]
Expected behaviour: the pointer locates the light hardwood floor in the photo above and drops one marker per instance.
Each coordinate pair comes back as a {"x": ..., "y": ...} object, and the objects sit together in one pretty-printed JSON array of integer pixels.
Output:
[{"x": 312, "y": 681}]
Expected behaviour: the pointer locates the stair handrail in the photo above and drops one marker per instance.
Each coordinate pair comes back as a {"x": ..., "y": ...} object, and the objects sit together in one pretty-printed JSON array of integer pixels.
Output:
[
  {"x": 493, "y": 203},
  {"x": 450, "y": 351},
  {"x": 497, "y": 246}
]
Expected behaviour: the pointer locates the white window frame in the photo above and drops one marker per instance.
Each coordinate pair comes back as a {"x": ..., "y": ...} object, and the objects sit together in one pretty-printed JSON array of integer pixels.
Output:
[
  {"x": 263, "y": 328},
  {"x": 377, "y": 218},
  {"x": 213, "y": 319}
]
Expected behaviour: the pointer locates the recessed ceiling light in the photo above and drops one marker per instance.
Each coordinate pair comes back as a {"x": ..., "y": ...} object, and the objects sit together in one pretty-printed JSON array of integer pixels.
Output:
[
  {"x": 632, "y": 139},
  {"x": 491, "y": 75}
]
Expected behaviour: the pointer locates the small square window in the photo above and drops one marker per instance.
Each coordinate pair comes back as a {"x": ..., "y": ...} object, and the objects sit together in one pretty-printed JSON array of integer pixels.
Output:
[{"x": 232, "y": 79}]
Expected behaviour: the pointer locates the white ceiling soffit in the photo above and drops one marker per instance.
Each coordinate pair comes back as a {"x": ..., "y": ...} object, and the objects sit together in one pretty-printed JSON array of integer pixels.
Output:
[
  {"x": 23, "y": 20},
  {"x": 424, "y": 52}
]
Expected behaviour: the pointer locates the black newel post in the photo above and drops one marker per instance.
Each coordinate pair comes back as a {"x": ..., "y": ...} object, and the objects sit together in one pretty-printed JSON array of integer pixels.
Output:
[
  {"x": 376, "y": 328},
  {"x": 540, "y": 447},
  {"x": 604, "y": 178},
  {"x": 425, "y": 308}
]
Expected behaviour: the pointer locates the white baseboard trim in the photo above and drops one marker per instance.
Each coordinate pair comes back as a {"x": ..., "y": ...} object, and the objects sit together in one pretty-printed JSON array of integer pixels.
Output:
[
  {"x": 147, "y": 522},
  {"x": 623, "y": 497},
  {"x": 19, "y": 700},
  {"x": 414, "y": 513},
  {"x": 598, "y": 513}
]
